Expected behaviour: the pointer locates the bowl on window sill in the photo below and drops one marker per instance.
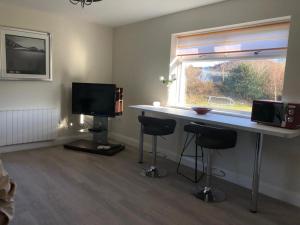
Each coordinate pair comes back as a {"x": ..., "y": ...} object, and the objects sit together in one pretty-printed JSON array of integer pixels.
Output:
[{"x": 201, "y": 110}]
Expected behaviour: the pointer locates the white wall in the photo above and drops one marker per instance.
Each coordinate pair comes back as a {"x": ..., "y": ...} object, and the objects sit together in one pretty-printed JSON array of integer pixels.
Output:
[
  {"x": 81, "y": 52},
  {"x": 142, "y": 53}
]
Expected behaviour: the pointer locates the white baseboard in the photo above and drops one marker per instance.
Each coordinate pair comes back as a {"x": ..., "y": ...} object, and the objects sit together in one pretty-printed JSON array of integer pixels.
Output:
[
  {"x": 231, "y": 176},
  {"x": 43, "y": 144}
]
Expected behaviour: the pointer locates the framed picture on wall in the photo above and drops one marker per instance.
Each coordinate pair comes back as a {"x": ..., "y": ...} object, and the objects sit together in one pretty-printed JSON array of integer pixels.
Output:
[{"x": 25, "y": 55}]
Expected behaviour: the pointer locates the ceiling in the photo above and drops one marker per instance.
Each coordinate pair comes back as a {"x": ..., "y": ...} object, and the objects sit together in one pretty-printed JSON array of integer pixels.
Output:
[{"x": 113, "y": 12}]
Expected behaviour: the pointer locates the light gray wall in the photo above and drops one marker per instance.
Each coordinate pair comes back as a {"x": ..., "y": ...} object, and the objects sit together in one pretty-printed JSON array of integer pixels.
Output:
[
  {"x": 81, "y": 52},
  {"x": 142, "y": 52}
]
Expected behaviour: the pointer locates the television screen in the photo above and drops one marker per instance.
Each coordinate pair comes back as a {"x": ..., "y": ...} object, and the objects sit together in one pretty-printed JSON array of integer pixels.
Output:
[{"x": 93, "y": 99}]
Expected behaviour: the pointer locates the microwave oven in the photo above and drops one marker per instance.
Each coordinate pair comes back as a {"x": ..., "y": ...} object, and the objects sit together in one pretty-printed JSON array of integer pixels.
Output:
[{"x": 274, "y": 113}]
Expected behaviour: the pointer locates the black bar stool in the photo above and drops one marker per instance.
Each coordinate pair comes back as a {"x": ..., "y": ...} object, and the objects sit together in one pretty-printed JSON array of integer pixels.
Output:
[
  {"x": 192, "y": 130},
  {"x": 156, "y": 127},
  {"x": 213, "y": 138}
]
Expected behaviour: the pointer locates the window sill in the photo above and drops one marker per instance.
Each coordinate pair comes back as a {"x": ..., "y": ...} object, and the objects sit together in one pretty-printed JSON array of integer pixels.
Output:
[{"x": 215, "y": 111}]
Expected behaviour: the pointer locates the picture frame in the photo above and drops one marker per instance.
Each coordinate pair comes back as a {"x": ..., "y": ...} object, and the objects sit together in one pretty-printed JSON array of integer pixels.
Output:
[{"x": 25, "y": 55}]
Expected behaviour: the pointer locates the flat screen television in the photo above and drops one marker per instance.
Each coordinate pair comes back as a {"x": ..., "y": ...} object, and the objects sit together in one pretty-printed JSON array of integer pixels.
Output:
[{"x": 94, "y": 99}]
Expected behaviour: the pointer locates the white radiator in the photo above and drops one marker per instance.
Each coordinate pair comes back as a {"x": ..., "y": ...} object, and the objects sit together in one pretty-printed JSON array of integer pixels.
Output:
[{"x": 25, "y": 126}]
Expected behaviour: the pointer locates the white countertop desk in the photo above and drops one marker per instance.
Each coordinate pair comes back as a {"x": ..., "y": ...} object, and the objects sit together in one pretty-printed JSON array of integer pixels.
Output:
[{"x": 234, "y": 122}]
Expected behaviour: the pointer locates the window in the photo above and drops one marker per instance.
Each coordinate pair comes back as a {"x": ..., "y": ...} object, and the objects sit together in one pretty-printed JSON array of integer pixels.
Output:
[{"x": 227, "y": 68}]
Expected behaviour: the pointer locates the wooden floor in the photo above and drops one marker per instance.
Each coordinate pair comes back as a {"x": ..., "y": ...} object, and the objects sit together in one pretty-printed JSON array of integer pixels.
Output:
[{"x": 60, "y": 187}]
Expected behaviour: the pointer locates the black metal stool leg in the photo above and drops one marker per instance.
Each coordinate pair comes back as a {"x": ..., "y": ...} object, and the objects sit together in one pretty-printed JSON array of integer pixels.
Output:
[
  {"x": 196, "y": 163},
  {"x": 184, "y": 147},
  {"x": 186, "y": 144}
]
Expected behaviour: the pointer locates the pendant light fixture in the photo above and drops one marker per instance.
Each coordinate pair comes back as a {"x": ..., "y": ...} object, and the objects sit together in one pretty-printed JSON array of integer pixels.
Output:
[{"x": 83, "y": 2}]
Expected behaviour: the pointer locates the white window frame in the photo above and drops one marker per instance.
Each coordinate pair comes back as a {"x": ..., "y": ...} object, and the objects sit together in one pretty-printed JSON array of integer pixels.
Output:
[{"x": 175, "y": 99}]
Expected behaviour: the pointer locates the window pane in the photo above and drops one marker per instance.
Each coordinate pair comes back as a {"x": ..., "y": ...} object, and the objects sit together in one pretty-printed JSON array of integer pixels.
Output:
[{"x": 233, "y": 84}]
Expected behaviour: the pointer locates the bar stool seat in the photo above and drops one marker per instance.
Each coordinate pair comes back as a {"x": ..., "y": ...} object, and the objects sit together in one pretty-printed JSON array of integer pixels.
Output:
[
  {"x": 215, "y": 138},
  {"x": 156, "y": 127}
]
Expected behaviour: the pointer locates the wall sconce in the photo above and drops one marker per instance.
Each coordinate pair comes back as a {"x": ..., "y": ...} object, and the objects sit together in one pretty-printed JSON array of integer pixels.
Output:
[{"x": 168, "y": 81}]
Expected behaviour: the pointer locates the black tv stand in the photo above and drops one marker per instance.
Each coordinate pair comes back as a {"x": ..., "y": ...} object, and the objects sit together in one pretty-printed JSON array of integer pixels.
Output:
[
  {"x": 99, "y": 144},
  {"x": 93, "y": 147}
]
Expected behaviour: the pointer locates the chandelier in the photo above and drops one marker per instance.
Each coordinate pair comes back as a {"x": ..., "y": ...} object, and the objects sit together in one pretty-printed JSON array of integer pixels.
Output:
[{"x": 83, "y": 2}]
